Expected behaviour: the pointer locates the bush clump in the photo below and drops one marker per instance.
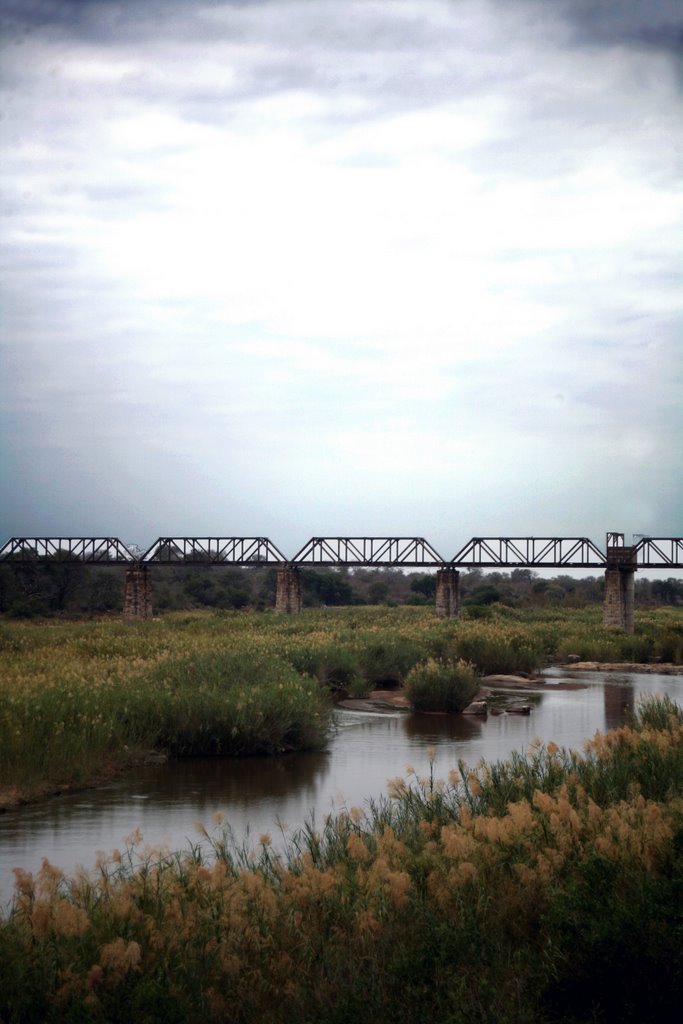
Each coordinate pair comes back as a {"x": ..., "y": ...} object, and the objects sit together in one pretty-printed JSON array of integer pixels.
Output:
[
  {"x": 220, "y": 702},
  {"x": 441, "y": 685},
  {"x": 335, "y": 666},
  {"x": 387, "y": 661}
]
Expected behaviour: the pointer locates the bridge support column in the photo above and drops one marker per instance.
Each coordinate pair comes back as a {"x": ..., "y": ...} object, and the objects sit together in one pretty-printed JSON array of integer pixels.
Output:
[
  {"x": 619, "y": 600},
  {"x": 447, "y": 594},
  {"x": 288, "y": 598},
  {"x": 137, "y": 596}
]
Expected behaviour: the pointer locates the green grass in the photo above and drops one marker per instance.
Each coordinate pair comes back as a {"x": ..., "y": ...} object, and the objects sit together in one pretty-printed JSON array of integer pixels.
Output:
[{"x": 81, "y": 699}]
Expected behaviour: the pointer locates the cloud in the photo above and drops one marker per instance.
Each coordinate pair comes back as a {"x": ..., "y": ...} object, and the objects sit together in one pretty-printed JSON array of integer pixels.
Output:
[
  {"x": 306, "y": 266},
  {"x": 632, "y": 22}
]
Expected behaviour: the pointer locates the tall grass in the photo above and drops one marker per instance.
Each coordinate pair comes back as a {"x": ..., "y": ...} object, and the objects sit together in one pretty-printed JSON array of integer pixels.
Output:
[
  {"x": 78, "y": 699},
  {"x": 545, "y": 888},
  {"x": 441, "y": 686}
]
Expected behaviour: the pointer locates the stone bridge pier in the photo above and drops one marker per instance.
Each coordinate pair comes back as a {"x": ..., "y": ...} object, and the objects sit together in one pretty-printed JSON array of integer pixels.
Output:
[
  {"x": 137, "y": 594},
  {"x": 619, "y": 600},
  {"x": 288, "y": 595},
  {"x": 447, "y": 593}
]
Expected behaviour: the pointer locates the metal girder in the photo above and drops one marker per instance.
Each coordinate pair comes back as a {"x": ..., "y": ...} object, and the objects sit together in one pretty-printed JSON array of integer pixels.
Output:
[
  {"x": 370, "y": 551},
  {"x": 109, "y": 550},
  {"x": 481, "y": 552},
  {"x": 519, "y": 552},
  {"x": 659, "y": 553},
  {"x": 213, "y": 551}
]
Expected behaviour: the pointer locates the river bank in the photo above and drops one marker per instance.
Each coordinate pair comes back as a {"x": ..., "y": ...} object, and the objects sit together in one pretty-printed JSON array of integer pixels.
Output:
[
  {"x": 656, "y": 668},
  {"x": 12, "y": 798}
]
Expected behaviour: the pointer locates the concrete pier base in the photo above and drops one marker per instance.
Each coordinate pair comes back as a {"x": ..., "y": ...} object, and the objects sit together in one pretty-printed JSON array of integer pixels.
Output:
[
  {"x": 137, "y": 596},
  {"x": 447, "y": 594},
  {"x": 288, "y": 598},
  {"x": 619, "y": 600}
]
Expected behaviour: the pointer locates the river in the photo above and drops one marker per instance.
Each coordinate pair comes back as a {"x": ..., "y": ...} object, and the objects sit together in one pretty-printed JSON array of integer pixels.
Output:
[{"x": 275, "y": 795}]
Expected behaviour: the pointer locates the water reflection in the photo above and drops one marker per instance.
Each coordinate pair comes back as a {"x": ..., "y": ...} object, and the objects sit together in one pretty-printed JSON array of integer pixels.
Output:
[
  {"x": 619, "y": 700},
  {"x": 211, "y": 782},
  {"x": 435, "y": 729},
  {"x": 365, "y": 751}
]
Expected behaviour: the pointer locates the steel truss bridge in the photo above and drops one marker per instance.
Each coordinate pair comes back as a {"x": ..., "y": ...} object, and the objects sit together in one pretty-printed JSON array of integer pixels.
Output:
[{"x": 349, "y": 552}]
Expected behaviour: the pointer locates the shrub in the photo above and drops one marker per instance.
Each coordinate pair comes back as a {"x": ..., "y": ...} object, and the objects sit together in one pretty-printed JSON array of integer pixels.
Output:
[
  {"x": 441, "y": 685},
  {"x": 497, "y": 649},
  {"x": 334, "y": 666},
  {"x": 220, "y": 702},
  {"x": 388, "y": 661},
  {"x": 669, "y": 647}
]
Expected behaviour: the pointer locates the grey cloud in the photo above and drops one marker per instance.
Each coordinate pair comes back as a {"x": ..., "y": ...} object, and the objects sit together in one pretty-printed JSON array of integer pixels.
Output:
[
  {"x": 324, "y": 49},
  {"x": 655, "y": 22},
  {"x": 333, "y": 25},
  {"x": 369, "y": 50},
  {"x": 94, "y": 20}
]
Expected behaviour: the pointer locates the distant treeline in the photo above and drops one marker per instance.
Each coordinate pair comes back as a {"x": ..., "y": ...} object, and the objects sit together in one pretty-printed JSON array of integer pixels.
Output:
[{"x": 59, "y": 586}]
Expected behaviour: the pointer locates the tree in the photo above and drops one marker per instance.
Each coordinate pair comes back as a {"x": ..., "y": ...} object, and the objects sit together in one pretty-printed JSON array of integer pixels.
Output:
[
  {"x": 378, "y": 592},
  {"x": 326, "y": 588},
  {"x": 425, "y": 585},
  {"x": 668, "y": 591},
  {"x": 65, "y": 578}
]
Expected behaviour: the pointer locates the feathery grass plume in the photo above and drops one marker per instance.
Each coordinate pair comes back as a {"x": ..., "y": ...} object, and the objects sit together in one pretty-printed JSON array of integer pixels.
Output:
[{"x": 545, "y": 887}]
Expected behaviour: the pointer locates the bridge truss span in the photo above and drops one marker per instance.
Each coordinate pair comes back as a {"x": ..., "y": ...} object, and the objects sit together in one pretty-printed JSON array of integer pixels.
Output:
[
  {"x": 213, "y": 551},
  {"x": 530, "y": 552},
  {"x": 368, "y": 551},
  {"x": 659, "y": 553},
  {"x": 94, "y": 550}
]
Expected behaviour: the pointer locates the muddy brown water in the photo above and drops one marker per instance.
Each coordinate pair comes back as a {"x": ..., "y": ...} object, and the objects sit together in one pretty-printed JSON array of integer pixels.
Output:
[{"x": 276, "y": 795}]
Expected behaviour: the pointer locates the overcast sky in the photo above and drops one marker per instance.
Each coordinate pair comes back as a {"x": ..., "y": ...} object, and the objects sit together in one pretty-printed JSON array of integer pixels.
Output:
[{"x": 325, "y": 267}]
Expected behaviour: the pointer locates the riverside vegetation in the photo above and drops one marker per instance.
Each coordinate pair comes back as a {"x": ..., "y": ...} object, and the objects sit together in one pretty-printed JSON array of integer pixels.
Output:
[
  {"x": 544, "y": 888},
  {"x": 79, "y": 700},
  {"x": 541, "y": 889}
]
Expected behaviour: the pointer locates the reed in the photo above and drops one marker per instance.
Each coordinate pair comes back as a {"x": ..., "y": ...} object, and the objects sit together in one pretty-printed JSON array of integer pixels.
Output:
[
  {"x": 441, "y": 686},
  {"x": 543, "y": 888},
  {"x": 79, "y": 702}
]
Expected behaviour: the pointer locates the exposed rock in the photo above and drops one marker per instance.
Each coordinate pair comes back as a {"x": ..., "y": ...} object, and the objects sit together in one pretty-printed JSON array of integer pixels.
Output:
[
  {"x": 518, "y": 709},
  {"x": 378, "y": 700},
  {"x": 518, "y": 679},
  {"x": 477, "y": 707}
]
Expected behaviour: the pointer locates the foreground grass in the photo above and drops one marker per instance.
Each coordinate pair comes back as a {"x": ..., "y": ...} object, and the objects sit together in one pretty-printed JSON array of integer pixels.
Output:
[
  {"x": 79, "y": 700},
  {"x": 541, "y": 889}
]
